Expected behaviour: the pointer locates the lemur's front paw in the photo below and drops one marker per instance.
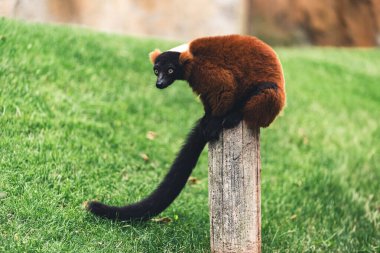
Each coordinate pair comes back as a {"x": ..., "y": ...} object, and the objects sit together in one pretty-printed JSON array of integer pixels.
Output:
[
  {"x": 211, "y": 127},
  {"x": 231, "y": 120}
]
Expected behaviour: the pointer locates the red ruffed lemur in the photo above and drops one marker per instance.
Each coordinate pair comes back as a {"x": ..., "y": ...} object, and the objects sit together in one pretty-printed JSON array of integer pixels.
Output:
[{"x": 237, "y": 78}]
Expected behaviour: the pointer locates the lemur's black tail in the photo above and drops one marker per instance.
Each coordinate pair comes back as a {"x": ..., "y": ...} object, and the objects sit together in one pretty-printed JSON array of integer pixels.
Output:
[{"x": 167, "y": 191}]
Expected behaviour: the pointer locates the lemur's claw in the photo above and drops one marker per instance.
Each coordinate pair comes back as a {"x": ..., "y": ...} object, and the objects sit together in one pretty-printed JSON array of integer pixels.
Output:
[
  {"x": 232, "y": 120},
  {"x": 213, "y": 135},
  {"x": 211, "y": 127}
]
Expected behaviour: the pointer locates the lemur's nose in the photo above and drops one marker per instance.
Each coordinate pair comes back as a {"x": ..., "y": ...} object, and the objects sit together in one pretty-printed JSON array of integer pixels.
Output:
[{"x": 160, "y": 84}]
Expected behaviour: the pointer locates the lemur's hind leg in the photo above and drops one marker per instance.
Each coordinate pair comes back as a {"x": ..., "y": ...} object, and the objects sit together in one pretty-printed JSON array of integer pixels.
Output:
[
  {"x": 263, "y": 108},
  {"x": 233, "y": 118},
  {"x": 258, "y": 107}
]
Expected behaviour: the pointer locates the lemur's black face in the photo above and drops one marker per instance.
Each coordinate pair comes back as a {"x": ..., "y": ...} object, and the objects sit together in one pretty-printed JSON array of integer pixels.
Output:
[{"x": 167, "y": 69}]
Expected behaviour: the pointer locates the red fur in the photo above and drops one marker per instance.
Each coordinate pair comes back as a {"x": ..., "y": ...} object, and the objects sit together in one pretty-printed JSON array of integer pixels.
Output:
[
  {"x": 153, "y": 55},
  {"x": 221, "y": 69}
]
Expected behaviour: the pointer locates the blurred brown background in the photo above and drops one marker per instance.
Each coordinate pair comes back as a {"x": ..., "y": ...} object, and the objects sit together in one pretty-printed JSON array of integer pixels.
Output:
[{"x": 279, "y": 22}]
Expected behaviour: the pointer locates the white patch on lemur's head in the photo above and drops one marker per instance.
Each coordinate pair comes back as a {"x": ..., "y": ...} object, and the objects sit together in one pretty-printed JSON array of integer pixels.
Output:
[{"x": 181, "y": 48}]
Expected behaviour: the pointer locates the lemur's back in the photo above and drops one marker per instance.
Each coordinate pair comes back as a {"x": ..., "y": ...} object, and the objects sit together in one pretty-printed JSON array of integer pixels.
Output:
[{"x": 250, "y": 59}]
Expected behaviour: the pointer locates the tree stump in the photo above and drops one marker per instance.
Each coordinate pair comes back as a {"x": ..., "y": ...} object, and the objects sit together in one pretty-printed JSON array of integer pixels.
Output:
[{"x": 234, "y": 191}]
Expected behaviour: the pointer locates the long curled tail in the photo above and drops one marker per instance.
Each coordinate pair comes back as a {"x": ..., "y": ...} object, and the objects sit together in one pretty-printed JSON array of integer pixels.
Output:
[{"x": 168, "y": 189}]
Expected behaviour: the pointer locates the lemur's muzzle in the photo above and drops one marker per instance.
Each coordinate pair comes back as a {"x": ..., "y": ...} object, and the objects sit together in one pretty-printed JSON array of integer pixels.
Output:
[
  {"x": 163, "y": 82},
  {"x": 161, "y": 85}
]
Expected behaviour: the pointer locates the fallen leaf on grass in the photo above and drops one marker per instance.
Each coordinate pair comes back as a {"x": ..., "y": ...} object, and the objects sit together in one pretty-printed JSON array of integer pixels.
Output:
[
  {"x": 84, "y": 205},
  {"x": 162, "y": 220},
  {"x": 293, "y": 217},
  {"x": 3, "y": 195},
  {"x": 193, "y": 180},
  {"x": 150, "y": 135},
  {"x": 144, "y": 156}
]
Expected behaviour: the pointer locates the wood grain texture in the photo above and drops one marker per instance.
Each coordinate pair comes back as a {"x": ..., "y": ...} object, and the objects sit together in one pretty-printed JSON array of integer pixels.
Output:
[{"x": 234, "y": 191}]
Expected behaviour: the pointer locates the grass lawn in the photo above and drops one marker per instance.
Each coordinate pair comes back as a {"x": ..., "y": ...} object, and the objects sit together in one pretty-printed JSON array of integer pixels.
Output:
[{"x": 75, "y": 109}]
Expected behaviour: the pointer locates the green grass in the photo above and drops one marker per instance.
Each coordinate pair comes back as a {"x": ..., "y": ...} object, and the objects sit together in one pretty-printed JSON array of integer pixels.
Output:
[{"x": 75, "y": 107}]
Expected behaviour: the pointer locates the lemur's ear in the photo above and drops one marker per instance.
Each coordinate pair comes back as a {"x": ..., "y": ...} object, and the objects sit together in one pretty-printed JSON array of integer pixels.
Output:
[
  {"x": 185, "y": 57},
  {"x": 153, "y": 55}
]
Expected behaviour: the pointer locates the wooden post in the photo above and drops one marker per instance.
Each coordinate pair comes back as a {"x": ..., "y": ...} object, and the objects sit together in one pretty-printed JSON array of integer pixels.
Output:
[{"x": 234, "y": 191}]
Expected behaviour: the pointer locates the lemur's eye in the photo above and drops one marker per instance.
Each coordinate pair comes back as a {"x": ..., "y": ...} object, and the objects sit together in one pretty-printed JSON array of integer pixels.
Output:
[
  {"x": 156, "y": 71},
  {"x": 170, "y": 71}
]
